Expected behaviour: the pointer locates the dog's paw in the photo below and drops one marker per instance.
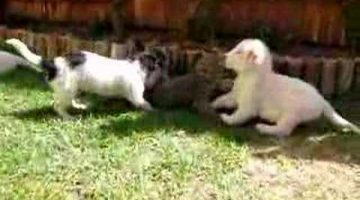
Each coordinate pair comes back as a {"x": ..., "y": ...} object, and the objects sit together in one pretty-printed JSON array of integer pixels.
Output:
[
  {"x": 265, "y": 129},
  {"x": 79, "y": 106},
  {"x": 262, "y": 128},
  {"x": 146, "y": 107},
  {"x": 226, "y": 119}
]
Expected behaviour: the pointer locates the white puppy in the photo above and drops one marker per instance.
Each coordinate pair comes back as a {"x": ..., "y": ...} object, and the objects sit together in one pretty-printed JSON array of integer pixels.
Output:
[
  {"x": 89, "y": 72},
  {"x": 260, "y": 92}
]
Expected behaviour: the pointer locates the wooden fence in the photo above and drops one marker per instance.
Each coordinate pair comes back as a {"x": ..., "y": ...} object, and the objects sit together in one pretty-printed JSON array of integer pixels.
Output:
[
  {"x": 59, "y": 10},
  {"x": 332, "y": 76},
  {"x": 318, "y": 21}
]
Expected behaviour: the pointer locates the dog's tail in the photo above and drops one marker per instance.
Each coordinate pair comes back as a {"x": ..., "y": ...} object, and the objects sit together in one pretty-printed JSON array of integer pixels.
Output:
[
  {"x": 25, "y": 52},
  {"x": 10, "y": 61},
  {"x": 337, "y": 120}
]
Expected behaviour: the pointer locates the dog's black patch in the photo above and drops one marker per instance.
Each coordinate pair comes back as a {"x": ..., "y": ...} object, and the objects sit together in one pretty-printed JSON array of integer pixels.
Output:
[
  {"x": 49, "y": 68},
  {"x": 75, "y": 59},
  {"x": 133, "y": 48},
  {"x": 148, "y": 61},
  {"x": 153, "y": 63}
]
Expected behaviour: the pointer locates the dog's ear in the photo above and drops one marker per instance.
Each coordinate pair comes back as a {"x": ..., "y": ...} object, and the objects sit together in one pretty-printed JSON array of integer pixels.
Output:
[
  {"x": 250, "y": 56},
  {"x": 75, "y": 58},
  {"x": 138, "y": 45},
  {"x": 134, "y": 47},
  {"x": 159, "y": 54},
  {"x": 147, "y": 61}
]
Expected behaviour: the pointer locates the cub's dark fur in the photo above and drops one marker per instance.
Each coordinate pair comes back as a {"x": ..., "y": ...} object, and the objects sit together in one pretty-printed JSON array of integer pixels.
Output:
[{"x": 195, "y": 89}]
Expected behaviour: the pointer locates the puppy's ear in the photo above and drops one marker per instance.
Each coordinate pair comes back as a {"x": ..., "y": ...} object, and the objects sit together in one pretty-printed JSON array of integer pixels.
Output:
[
  {"x": 148, "y": 62},
  {"x": 250, "y": 56},
  {"x": 138, "y": 45},
  {"x": 134, "y": 47}
]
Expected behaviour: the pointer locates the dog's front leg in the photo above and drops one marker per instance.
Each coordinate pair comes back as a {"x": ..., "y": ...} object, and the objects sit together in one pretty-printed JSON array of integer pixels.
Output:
[
  {"x": 136, "y": 97},
  {"x": 141, "y": 103},
  {"x": 240, "y": 116},
  {"x": 62, "y": 111},
  {"x": 78, "y": 105},
  {"x": 61, "y": 105},
  {"x": 224, "y": 101},
  {"x": 283, "y": 127}
]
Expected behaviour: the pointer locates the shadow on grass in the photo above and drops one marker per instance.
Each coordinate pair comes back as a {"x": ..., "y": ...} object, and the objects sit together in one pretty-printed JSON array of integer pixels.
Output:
[
  {"x": 23, "y": 78},
  {"x": 36, "y": 114},
  {"x": 99, "y": 108},
  {"x": 318, "y": 142},
  {"x": 164, "y": 120},
  {"x": 314, "y": 141},
  {"x": 310, "y": 143}
]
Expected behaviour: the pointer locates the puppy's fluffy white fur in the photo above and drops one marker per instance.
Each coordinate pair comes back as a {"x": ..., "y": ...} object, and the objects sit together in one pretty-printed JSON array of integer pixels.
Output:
[
  {"x": 260, "y": 92},
  {"x": 97, "y": 74}
]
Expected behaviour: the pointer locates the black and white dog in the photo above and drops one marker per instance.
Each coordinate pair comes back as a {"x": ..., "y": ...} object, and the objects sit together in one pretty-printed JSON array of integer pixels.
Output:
[{"x": 89, "y": 72}]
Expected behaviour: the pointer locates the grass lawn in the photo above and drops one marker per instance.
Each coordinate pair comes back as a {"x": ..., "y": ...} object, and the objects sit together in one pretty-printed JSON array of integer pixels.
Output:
[{"x": 114, "y": 152}]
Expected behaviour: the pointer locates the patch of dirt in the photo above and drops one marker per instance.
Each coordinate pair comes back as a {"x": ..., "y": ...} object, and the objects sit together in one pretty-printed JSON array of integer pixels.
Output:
[{"x": 304, "y": 179}]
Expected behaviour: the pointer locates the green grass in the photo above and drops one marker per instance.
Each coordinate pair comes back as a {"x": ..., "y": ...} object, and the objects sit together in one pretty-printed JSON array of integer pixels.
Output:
[{"x": 115, "y": 152}]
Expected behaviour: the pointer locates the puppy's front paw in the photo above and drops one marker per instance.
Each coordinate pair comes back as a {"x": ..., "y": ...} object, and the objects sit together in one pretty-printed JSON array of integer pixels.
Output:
[
  {"x": 271, "y": 130},
  {"x": 146, "y": 107},
  {"x": 79, "y": 106},
  {"x": 227, "y": 119},
  {"x": 262, "y": 128}
]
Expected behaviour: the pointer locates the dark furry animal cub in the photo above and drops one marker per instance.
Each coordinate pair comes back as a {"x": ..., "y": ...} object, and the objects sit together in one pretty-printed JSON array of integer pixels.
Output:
[{"x": 195, "y": 90}]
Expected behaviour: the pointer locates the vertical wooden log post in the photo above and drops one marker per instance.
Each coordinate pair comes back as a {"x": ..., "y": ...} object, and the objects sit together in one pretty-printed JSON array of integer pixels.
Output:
[
  {"x": 118, "y": 51},
  {"x": 295, "y": 66},
  {"x": 3, "y": 32},
  {"x": 64, "y": 45},
  {"x": 328, "y": 77},
  {"x": 356, "y": 81},
  {"x": 102, "y": 48},
  {"x": 40, "y": 44},
  {"x": 345, "y": 70},
  {"x": 312, "y": 73}
]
